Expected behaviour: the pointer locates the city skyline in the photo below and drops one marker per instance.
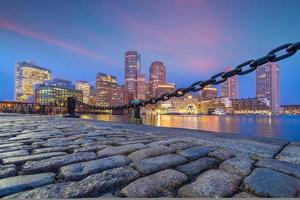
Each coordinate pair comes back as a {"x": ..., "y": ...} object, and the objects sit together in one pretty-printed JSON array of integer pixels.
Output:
[{"x": 76, "y": 57}]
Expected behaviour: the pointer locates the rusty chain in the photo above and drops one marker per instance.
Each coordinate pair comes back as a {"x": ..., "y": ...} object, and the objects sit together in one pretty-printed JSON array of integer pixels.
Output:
[{"x": 247, "y": 67}]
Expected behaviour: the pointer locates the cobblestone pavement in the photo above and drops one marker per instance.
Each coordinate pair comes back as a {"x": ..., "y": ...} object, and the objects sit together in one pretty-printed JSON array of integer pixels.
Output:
[{"x": 55, "y": 157}]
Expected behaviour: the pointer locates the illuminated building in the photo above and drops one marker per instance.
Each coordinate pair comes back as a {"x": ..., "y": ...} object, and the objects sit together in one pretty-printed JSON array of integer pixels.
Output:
[
  {"x": 290, "y": 109},
  {"x": 209, "y": 105},
  {"x": 250, "y": 106},
  {"x": 157, "y": 75},
  {"x": 118, "y": 96},
  {"x": 209, "y": 92},
  {"x": 141, "y": 86},
  {"x": 55, "y": 95},
  {"x": 62, "y": 83},
  {"x": 104, "y": 84},
  {"x": 267, "y": 84},
  {"x": 85, "y": 87},
  {"x": 164, "y": 88},
  {"x": 132, "y": 69},
  {"x": 229, "y": 88},
  {"x": 27, "y": 75}
]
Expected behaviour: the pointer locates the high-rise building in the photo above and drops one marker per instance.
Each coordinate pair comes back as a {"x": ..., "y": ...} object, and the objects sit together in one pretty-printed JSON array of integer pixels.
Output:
[
  {"x": 132, "y": 69},
  {"x": 164, "y": 88},
  {"x": 62, "y": 83},
  {"x": 27, "y": 75},
  {"x": 267, "y": 84},
  {"x": 104, "y": 84},
  {"x": 229, "y": 88},
  {"x": 85, "y": 87},
  {"x": 118, "y": 96},
  {"x": 141, "y": 86},
  {"x": 209, "y": 92},
  {"x": 157, "y": 75}
]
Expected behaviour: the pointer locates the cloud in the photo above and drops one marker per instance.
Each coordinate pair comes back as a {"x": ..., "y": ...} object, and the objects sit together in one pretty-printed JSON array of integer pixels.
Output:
[{"x": 11, "y": 26}]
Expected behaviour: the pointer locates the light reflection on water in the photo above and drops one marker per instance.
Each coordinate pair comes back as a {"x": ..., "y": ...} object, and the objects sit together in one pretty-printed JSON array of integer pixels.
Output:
[{"x": 285, "y": 127}]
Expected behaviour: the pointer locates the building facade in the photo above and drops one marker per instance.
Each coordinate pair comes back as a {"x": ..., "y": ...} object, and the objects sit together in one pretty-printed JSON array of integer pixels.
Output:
[
  {"x": 104, "y": 84},
  {"x": 132, "y": 70},
  {"x": 141, "y": 86},
  {"x": 229, "y": 88},
  {"x": 250, "y": 106},
  {"x": 267, "y": 84},
  {"x": 157, "y": 75},
  {"x": 85, "y": 87},
  {"x": 27, "y": 75},
  {"x": 164, "y": 88},
  {"x": 209, "y": 92},
  {"x": 118, "y": 96}
]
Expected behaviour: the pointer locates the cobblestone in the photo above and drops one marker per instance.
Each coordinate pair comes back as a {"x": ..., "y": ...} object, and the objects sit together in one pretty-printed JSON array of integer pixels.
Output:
[{"x": 102, "y": 159}]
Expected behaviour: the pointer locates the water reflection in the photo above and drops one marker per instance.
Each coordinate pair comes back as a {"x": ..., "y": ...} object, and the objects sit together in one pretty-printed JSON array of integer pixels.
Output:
[{"x": 285, "y": 127}]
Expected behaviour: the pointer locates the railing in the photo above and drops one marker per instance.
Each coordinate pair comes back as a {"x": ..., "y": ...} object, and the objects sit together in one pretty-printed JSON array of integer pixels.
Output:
[{"x": 247, "y": 67}]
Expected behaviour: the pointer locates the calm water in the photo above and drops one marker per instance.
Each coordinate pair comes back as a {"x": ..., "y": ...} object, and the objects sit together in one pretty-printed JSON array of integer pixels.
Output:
[{"x": 285, "y": 127}]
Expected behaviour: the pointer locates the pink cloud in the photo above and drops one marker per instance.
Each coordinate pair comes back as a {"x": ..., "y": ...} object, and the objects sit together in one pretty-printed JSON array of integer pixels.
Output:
[{"x": 10, "y": 26}]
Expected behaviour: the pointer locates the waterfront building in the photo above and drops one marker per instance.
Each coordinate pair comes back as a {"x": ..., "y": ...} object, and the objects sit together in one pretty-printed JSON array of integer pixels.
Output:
[
  {"x": 164, "y": 88},
  {"x": 267, "y": 84},
  {"x": 141, "y": 86},
  {"x": 157, "y": 75},
  {"x": 62, "y": 83},
  {"x": 229, "y": 88},
  {"x": 132, "y": 70},
  {"x": 104, "y": 84},
  {"x": 209, "y": 92},
  {"x": 85, "y": 87},
  {"x": 55, "y": 95},
  {"x": 250, "y": 106},
  {"x": 208, "y": 106},
  {"x": 290, "y": 109},
  {"x": 118, "y": 96},
  {"x": 27, "y": 75}
]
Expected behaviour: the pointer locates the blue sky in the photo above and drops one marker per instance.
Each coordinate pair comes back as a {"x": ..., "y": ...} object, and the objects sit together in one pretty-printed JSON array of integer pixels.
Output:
[{"x": 194, "y": 38}]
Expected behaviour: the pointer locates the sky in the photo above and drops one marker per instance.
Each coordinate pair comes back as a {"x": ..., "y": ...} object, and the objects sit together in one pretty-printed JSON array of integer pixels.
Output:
[{"x": 194, "y": 38}]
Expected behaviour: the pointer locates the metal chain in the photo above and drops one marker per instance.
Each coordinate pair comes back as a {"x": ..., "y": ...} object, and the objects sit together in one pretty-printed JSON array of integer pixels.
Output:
[{"x": 247, "y": 67}]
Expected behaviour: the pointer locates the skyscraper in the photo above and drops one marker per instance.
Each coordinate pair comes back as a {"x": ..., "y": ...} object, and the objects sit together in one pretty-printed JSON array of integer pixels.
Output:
[
  {"x": 157, "y": 75},
  {"x": 164, "y": 88},
  {"x": 118, "y": 96},
  {"x": 27, "y": 75},
  {"x": 209, "y": 92},
  {"x": 141, "y": 86},
  {"x": 267, "y": 84},
  {"x": 85, "y": 87},
  {"x": 132, "y": 69},
  {"x": 229, "y": 88},
  {"x": 104, "y": 84}
]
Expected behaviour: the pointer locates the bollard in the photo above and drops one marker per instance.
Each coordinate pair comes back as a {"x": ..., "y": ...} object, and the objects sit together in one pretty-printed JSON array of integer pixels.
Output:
[
  {"x": 136, "y": 114},
  {"x": 71, "y": 104}
]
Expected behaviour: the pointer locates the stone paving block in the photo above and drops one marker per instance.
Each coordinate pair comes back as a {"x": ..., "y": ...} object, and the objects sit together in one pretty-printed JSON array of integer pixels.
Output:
[
  {"x": 155, "y": 164},
  {"x": 178, "y": 146},
  {"x": 198, "y": 166},
  {"x": 135, "y": 142},
  {"x": 281, "y": 166},
  {"x": 80, "y": 170},
  {"x": 195, "y": 152},
  {"x": 150, "y": 152},
  {"x": 265, "y": 182},
  {"x": 166, "y": 142},
  {"x": 97, "y": 184},
  {"x": 7, "y": 171},
  {"x": 54, "y": 149},
  {"x": 221, "y": 154},
  {"x": 291, "y": 153},
  {"x": 11, "y": 145},
  {"x": 120, "y": 150},
  {"x": 15, "y": 148},
  {"x": 244, "y": 195},
  {"x": 14, "y": 154},
  {"x": 238, "y": 165},
  {"x": 94, "y": 147},
  {"x": 23, "y": 159},
  {"x": 212, "y": 183},
  {"x": 156, "y": 185},
  {"x": 52, "y": 164},
  {"x": 45, "y": 192},
  {"x": 16, "y": 184}
]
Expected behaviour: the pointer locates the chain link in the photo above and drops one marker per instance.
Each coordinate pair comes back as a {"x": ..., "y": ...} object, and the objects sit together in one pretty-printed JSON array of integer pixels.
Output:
[{"x": 277, "y": 54}]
